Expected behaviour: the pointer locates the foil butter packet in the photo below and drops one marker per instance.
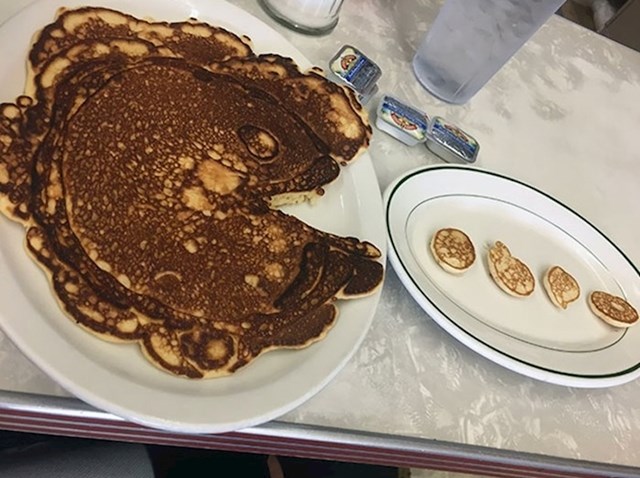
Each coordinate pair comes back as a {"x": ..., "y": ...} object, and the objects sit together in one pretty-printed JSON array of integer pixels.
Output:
[
  {"x": 451, "y": 143},
  {"x": 401, "y": 121},
  {"x": 352, "y": 68}
]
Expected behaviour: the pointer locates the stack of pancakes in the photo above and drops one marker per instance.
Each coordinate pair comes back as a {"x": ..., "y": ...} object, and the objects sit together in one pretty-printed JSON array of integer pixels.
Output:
[{"x": 145, "y": 159}]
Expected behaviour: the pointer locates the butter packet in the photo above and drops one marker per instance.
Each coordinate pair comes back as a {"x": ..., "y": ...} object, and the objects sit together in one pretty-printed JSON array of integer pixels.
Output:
[
  {"x": 451, "y": 143},
  {"x": 401, "y": 121},
  {"x": 352, "y": 68}
]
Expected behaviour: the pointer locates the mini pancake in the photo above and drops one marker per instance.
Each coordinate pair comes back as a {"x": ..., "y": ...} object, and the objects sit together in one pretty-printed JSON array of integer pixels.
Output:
[
  {"x": 453, "y": 250},
  {"x": 561, "y": 287},
  {"x": 614, "y": 310},
  {"x": 510, "y": 273}
]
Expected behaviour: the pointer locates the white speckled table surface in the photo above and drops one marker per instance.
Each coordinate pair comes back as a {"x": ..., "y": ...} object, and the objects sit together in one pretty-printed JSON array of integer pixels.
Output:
[{"x": 563, "y": 115}]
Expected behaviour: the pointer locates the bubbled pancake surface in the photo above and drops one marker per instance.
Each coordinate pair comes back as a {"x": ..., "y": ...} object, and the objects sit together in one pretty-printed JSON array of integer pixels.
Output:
[
  {"x": 144, "y": 175},
  {"x": 614, "y": 310},
  {"x": 508, "y": 272},
  {"x": 453, "y": 250},
  {"x": 561, "y": 287}
]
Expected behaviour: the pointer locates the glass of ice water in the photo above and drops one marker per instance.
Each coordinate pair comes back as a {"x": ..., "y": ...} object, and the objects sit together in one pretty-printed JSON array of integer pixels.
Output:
[{"x": 470, "y": 40}]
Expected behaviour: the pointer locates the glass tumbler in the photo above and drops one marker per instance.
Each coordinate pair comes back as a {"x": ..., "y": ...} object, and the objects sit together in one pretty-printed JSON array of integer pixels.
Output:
[
  {"x": 470, "y": 40},
  {"x": 314, "y": 17}
]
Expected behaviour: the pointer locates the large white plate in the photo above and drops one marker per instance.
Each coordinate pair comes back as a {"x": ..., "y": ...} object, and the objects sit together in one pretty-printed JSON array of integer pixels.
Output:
[
  {"x": 115, "y": 377},
  {"x": 530, "y": 336}
]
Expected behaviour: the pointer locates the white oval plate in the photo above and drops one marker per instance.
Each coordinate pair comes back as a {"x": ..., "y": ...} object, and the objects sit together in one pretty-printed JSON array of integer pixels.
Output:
[
  {"x": 117, "y": 378},
  {"x": 528, "y": 335}
]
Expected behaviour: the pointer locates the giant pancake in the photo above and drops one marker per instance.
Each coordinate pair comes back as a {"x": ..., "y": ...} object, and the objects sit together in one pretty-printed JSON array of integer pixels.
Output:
[
  {"x": 195, "y": 41},
  {"x": 146, "y": 177}
]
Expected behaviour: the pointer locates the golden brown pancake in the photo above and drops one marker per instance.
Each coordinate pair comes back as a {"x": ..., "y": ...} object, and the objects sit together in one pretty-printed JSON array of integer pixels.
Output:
[
  {"x": 342, "y": 124},
  {"x": 144, "y": 181},
  {"x": 195, "y": 41},
  {"x": 614, "y": 310},
  {"x": 453, "y": 250},
  {"x": 510, "y": 273},
  {"x": 561, "y": 287}
]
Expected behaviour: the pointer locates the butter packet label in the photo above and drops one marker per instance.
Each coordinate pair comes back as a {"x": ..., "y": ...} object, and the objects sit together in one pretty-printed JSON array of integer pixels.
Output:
[
  {"x": 450, "y": 142},
  {"x": 355, "y": 69},
  {"x": 408, "y": 120}
]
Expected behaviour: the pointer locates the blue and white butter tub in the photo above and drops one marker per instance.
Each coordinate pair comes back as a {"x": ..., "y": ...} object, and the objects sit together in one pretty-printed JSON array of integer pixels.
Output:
[
  {"x": 352, "y": 68},
  {"x": 401, "y": 121},
  {"x": 451, "y": 143}
]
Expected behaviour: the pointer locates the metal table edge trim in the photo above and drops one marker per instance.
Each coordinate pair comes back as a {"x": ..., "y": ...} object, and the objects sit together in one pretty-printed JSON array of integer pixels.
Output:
[{"x": 407, "y": 451}]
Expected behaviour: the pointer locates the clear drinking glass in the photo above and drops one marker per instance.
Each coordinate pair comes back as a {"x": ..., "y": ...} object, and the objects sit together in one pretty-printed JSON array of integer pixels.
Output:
[
  {"x": 314, "y": 17},
  {"x": 470, "y": 40}
]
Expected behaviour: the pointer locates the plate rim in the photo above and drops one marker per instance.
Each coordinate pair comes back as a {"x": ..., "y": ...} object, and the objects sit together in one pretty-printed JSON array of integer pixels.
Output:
[
  {"x": 480, "y": 346},
  {"x": 365, "y": 188}
]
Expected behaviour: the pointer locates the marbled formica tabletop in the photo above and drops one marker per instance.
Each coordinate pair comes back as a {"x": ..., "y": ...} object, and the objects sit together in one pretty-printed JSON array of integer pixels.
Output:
[{"x": 563, "y": 115}]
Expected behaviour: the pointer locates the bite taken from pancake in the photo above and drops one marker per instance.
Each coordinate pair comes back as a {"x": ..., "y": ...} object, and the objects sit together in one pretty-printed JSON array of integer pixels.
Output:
[
  {"x": 144, "y": 163},
  {"x": 508, "y": 272},
  {"x": 452, "y": 250}
]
